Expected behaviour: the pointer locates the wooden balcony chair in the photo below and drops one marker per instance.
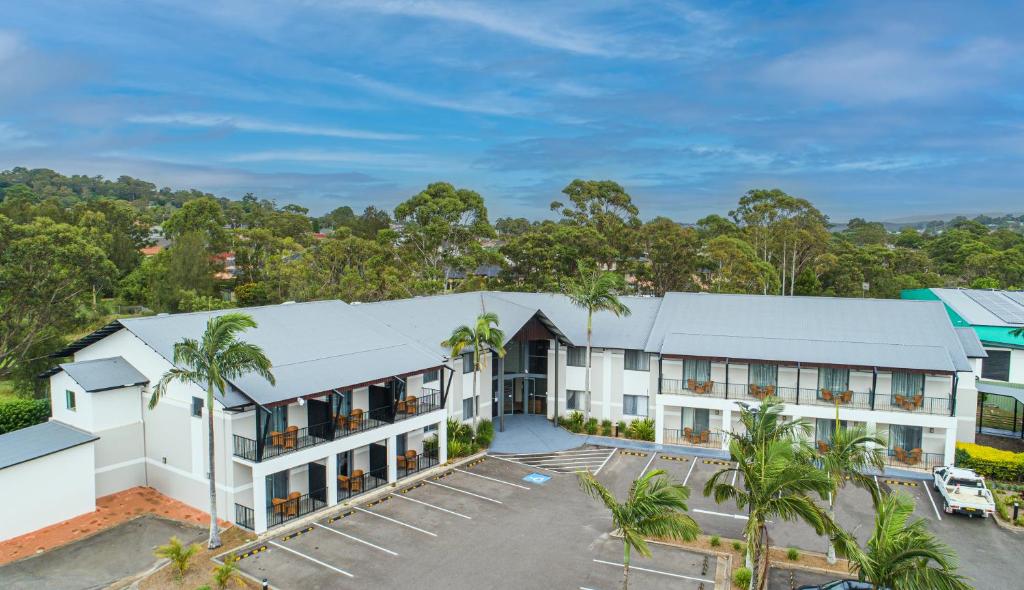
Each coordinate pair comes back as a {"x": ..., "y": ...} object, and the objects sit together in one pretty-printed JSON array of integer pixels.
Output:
[
  {"x": 914, "y": 457},
  {"x": 356, "y": 481},
  {"x": 708, "y": 385},
  {"x": 691, "y": 384},
  {"x": 768, "y": 391},
  {"x": 355, "y": 419},
  {"x": 279, "y": 505},
  {"x": 291, "y": 507},
  {"x": 826, "y": 394},
  {"x": 411, "y": 459},
  {"x": 822, "y": 447},
  {"x": 918, "y": 400},
  {"x": 341, "y": 422},
  {"x": 276, "y": 439},
  {"x": 754, "y": 390},
  {"x": 688, "y": 434},
  {"x": 901, "y": 401},
  {"x": 901, "y": 454},
  {"x": 291, "y": 437},
  {"x": 410, "y": 404},
  {"x": 705, "y": 436},
  {"x": 845, "y": 397},
  {"x": 401, "y": 462},
  {"x": 344, "y": 482}
]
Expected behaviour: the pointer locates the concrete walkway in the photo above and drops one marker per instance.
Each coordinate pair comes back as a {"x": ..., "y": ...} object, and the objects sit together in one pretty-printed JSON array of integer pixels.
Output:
[{"x": 532, "y": 434}]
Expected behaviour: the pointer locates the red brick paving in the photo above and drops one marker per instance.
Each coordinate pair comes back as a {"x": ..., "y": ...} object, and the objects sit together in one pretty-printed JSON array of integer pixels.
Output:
[{"x": 110, "y": 511}]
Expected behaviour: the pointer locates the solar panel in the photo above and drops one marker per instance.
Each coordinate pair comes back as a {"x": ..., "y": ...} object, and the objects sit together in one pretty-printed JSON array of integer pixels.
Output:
[
  {"x": 1017, "y": 296},
  {"x": 1001, "y": 305}
]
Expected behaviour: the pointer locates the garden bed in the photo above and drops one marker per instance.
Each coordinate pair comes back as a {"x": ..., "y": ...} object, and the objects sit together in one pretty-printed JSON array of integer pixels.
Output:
[{"x": 201, "y": 570}]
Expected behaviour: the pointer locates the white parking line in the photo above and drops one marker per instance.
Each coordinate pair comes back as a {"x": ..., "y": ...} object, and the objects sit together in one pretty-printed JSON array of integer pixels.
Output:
[
  {"x": 508, "y": 483},
  {"x": 434, "y": 483},
  {"x": 734, "y": 474},
  {"x": 606, "y": 459},
  {"x": 356, "y": 539},
  {"x": 736, "y": 516},
  {"x": 316, "y": 561},
  {"x": 521, "y": 464},
  {"x": 432, "y": 506},
  {"x": 687, "y": 478},
  {"x": 552, "y": 454},
  {"x": 553, "y": 460},
  {"x": 405, "y": 524},
  {"x": 932, "y": 500},
  {"x": 653, "y": 455},
  {"x": 643, "y": 569}
]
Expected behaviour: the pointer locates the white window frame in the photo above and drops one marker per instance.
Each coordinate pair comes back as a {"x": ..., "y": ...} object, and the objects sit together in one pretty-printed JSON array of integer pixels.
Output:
[
  {"x": 70, "y": 400},
  {"x": 646, "y": 408}
]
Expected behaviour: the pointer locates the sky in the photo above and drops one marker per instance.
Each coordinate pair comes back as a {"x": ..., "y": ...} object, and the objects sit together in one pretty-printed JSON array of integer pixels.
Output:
[{"x": 884, "y": 110}]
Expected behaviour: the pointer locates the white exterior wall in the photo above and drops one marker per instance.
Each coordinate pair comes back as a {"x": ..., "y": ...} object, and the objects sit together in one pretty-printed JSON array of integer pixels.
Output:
[{"x": 47, "y": 490}]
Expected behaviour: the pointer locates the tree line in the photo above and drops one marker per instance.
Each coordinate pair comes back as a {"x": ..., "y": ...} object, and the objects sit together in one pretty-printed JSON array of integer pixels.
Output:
[{"x": 71, "y": 248}]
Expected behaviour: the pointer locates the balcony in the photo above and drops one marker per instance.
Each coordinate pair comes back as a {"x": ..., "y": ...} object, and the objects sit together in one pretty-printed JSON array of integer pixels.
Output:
[
  {"x": 295, "y": 506},
  {"x": 687, "y": 437},
  {"x": 913, "y": 459},
  {"x": 862, "y": 400},
  {"x": 412, "y": 462},
  {"x": 295, "y": 439},
  {"x": 360, "y": 483}
]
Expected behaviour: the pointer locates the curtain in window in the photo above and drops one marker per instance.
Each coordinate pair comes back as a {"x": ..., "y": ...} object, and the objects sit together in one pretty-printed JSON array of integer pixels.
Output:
[
  {"x": 907, "y": 438},
  {"x": 762, "y": 374},
  {"x": 344, "y": 463},
  {"x": 402, "y": 443},
  {"x": 834, "y": 380},
  {"x": 824, "y": 428},
  {"x": 277, "y": 486},
  {"x": 467, "y": 362},
  {"x": 637, "y": 360},
  {"x": 629, "y": 405},
  {"x": 701, "y": 420},
  {"x": 576, "y": 356},
  {"x": 573, "y": 399},
  {"x": 278, "y": 419},
  {"x": 907, "y": 384},
  {"x": 697, "y": 369}
]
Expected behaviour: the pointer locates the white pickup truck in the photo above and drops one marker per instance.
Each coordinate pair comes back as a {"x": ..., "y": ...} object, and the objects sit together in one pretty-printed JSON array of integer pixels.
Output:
[{"x": 963, "y": 491}]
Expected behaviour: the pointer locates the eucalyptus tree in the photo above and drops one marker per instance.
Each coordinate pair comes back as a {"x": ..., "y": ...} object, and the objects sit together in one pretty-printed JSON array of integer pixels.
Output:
[
  {"x": 655, "y": 507},
  {"x": 209, "y": 363}
]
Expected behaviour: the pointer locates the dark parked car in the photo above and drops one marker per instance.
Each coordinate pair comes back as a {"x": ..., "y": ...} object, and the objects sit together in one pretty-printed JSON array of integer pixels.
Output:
[{"x": 841, "y": 585}]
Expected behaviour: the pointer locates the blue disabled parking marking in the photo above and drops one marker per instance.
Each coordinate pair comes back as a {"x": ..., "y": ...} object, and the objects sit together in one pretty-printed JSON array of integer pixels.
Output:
[{"x": 537, "y": 478}]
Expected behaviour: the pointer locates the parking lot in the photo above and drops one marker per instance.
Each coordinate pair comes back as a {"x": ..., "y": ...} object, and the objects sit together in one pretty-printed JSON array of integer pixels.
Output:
[{"x": 481, "y": 525}]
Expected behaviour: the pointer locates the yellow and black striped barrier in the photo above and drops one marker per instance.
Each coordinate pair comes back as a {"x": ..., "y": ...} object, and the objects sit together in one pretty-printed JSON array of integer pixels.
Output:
[
  {"x": 380, "y": 500},
  {"x": 296, "y": 534},
  {"x": 671, "y": 458},
  {"x": 897, "y": 482},
  {"x": 633, "y": 453},
  {"x": 411, "y": 488},
  {"x": 476, "y": 462},
  {"x": 340, "y": 516},
  {"x": 251, "y": 552},
  {"x": 442, "y": 475},
  {"x": 716, "y": 462}
]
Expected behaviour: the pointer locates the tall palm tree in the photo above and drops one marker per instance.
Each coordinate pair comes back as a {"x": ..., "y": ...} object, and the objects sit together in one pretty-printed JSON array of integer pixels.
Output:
[
  {"x": 655, "y": 507},
  {"x": 776, "y": 484},
  {"x": 902, "y": 553},
  {"x": 484, "y": 334},
  {"x": 209, "y": 363},
  {"x": 852, "y": 452},
  {"x": 765, "y": 423},
  {"x": 595, "y": 290}
]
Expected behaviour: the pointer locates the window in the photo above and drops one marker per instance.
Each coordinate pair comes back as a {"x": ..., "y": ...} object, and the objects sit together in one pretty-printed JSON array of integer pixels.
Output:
[
  {"x": 69, "y": 399},
  {"x": 634, "y": 405},
  {"x": 468, "y": 408},
  {"x": 996, "y": 366},
  {"x": 638, "y": 360},
  {"x": 576, "y": 356},
  {"x": 430, "y": 428},
  {"x": 699, "y": 419},
  {"x": 907, "y": 438},
  {"x": 763, "y": 374},
  {"x": 429, "y": 376},
  {"x": 467, "y": 362},
  {"x": 907, "y": 384},
  {"x": 574, "y": 399},
  {"x": 824, "y": 428},
  {"x": 834, "y": 380},
  {"x": 279, "y": 418},
  {"x": 197, "y": 407},
  {"x": 697, "y": 369}
]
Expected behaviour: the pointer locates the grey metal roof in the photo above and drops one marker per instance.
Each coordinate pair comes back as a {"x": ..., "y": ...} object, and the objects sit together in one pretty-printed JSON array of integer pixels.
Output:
[
  {"x": 102, "y": 374},
  {"x": 314, "y": 347},
  {"x": 871, "y": 332},
  {"x": 39, "y": 441},
  {"x": 970, "y": 305},
  {"x": 1014, "y": 390},
  {"x": 969, "y": 340}
]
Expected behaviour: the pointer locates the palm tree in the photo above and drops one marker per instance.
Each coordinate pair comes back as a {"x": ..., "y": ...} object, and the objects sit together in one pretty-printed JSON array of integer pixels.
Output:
[
  {"x": 210, "y": 363},
  {"x": 852, "y": 452},
  {"x": 902, "y": 553},
  {"x": 765, "y": 423},
  {"x": 484, "y": 334},
  {"x": 595, "y": 290},
  {"x": 655, "y": 508},
  {"x": 777, "y": 483}
]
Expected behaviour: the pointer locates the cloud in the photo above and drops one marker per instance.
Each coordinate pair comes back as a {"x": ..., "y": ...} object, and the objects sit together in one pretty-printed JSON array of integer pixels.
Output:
[
  {"x": 257, "y": 125},
  {"x": 390, "y": 161},
  {"x": 492, "y": 104}
]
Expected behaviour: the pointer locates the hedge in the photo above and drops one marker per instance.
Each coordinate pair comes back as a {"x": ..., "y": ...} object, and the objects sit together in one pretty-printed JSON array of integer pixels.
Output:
[
  {"x": 22, "y": 412},
  {"x": 992, "y": 463}
]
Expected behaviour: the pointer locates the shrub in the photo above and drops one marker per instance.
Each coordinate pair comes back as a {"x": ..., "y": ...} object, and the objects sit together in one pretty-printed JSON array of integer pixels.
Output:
[
  {"x": 22, "y": 412},
  {"x": 178, "y": 554},
  {"x": 716, "y": 540},
  {"x": 227, "y": 573},
  {"x": 642, "y": 429},
  {"x": 623, "y": 429},
  {"x": 990, "y": 462},
  {"x": 792, "y": 554},
  {"x": 741, "y": 577},
  {"x": 459, "y": 431},
  {"x": 591, "y": 426},
  {"x": 737, "y": 546},
  {"x": 485, "y": 433},
  {"x": 430, "y": 445},
  {"x": 606, "y": 428},
  {"x": 458, "y": 448},
  {"x": 574, "y": 421}
]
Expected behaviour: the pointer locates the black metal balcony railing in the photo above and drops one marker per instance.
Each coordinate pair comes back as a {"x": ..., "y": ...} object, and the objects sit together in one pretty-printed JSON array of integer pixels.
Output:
[
  {"x": 245, "y": 517},
  {"x": 939, "y": 406},
  {"x": 689, "y": 437},
  {"x": 282, "y": 510},
  {"x": 428, "y": 401},
  {"x": 913, "y": 459},
  {"x": 409, "y": 465},
  {"x": 360, "y": 483}
]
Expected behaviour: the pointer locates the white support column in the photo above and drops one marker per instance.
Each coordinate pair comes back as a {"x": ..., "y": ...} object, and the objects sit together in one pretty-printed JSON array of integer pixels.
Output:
[
  {"x": 726, "y": 427},
  {"x": 950, "y": 451},
  {"x": 332, "y": 479},
  {"x": 442, "y": 442},
  {"x": 606, "y": 385},
  {"x": 659, "y": 423},
  {"x": 392, "y": 445},
  {"x": 872, "y": 429},
  {"x": 259, "y": 501}
]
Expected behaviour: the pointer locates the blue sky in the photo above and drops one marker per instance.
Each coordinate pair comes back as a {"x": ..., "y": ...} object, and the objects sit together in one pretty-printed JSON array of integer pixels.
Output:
[{"x": 885, "y": 110}]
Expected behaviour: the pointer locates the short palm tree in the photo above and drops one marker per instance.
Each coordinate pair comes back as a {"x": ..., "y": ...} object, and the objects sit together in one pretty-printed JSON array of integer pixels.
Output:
[
  {"x": 656, "y": 507},
  {"x": 595, "y": 290},
  {"x": 485, "y": 334},
  {"x": 209, "y": 363},
  {"x": 852, "y": 452},
  {"x": 776, "y": 484},
  {"x": 902, "y": 554},
  {"x": 179, "y": 554},
  {"x": 765, "y": 423}
]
